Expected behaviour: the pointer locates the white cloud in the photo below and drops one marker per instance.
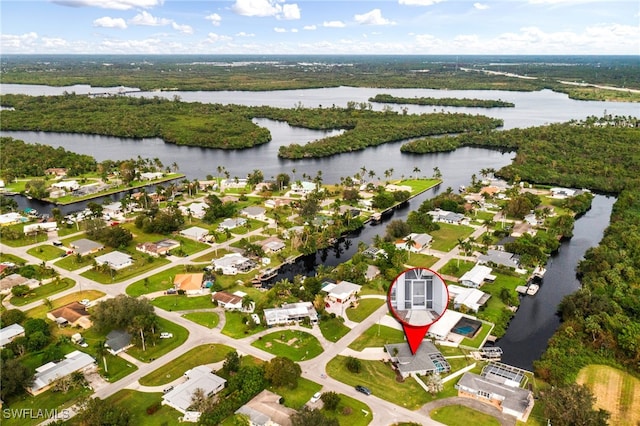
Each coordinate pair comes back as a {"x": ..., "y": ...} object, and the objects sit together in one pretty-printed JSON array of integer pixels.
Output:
[
  {"x": 243, "y": 34},
  {"x": 419, "y": 2},
  {"x": 294, "y": 30},
  {"x": 309, "y": 27},
  {"x": 145, "y": 18},
  {"x": 108, "y": 22},
  {"x": 214, "y": 38},
  {"x": 262, "y": 8},
  {"x": 185, "y": 29},
  {"x": 373, "y": 17},
  {"x": 334, "y": 24},
  {"x": 280, "y": 30},
  {"x": 290, "y": 11},
  {"x": 481, "y": 6},
  {"x": 54, "y": 42},
  {"x": 112, "y": 4},
  {"x": 214, "y": 18},
  {"x": 18, "y": 43}
]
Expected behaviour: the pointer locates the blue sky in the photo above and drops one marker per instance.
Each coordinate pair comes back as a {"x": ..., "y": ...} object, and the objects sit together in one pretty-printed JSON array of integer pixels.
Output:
[{"x": 569, "y": 27}]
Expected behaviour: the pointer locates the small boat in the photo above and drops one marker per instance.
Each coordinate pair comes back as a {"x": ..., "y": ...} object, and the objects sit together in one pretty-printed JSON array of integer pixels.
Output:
[
  {"x": 532, "y": 289},
  {"x": 462, "y": 188}
]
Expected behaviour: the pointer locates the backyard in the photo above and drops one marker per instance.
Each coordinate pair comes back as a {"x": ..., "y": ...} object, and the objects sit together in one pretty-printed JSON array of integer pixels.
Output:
[{"x": 293, "y": 344}]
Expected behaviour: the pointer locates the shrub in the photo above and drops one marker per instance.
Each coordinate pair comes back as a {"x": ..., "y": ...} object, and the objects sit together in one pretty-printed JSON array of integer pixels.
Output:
[
  {"x": 354, "y": 365},
  {"x": 346, "y": 411},
  {"x": 153, "y": 408}
]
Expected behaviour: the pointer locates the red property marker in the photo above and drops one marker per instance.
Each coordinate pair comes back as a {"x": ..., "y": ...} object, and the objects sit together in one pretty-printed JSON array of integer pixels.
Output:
[{"x": 417, "y": 298}]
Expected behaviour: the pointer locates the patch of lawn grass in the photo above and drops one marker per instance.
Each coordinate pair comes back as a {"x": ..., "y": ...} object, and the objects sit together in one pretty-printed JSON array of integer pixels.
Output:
[
  {"x": 495, "y": 310},
  {"x": 298, "y": 397},
  {"x": 162, "y": 346},
  {"x": 333, "y": 329},
  {"x": 293, "y": 344},
  {"x": 72, "y": 262},
  {"x": 48, "y": 400},
  {"x": 377, "y": 336},
  {"x": 200, "y": 355},
  {"x": 446, "y": 238},
  {"x": 6, "y": 257},
  {"x": 251, "y": 225},
  {"x": 236, "y": 325},
  {"x": 421, "y": 260},
  {"x": 46, "y": 252},
  {"x": 419, "y": 185},
  {"x": 117, "y": 368},
  {"x": 159, "y": 282},
  {"x": 140, "y": 265},
  {"x": 176, "y": 302},
  {"x": 43, "y": 291},
  {"x": 350, "y": 412},
  {"x": 41, "y": 311},
  {"x": 459, "y": 415},
  {"x": 365, "y": 308},
  {"x": 207, "y": 319},
  {"x": 136, "y": 404},
  {"x": 214, "y": 254},
  {"x": 380, "y": 378},
  {"x": 457, "y": 268}
]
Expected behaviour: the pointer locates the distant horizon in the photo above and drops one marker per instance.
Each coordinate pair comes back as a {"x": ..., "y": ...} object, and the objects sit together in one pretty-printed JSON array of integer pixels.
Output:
[{"x": 320, "y": 27}]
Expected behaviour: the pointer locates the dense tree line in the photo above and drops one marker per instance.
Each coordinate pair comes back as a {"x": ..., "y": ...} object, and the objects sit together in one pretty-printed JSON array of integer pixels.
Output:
[
  {"x": 454, "y": 102},
  {"x": 21, "y": 159}
]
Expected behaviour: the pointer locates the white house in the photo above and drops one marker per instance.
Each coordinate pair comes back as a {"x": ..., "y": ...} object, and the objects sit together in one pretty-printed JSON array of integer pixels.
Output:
[
  {"x": 448, "y": 217},
  {"x": 11, "y": 218},
  {"x": 69, "y": 185},
  {"x": 426, "y": 360},
  {"x": 562, "y": 192},
  {"x": 196, "y": 210},
  {"x": 233, "y": 184},
  {"x": 44, "y": 226},
  {"x": 471, "y": 298},
  {"x": 115, "y": 259},
  {"x": 231, "y": 302},
  {"x": 232, "y": 264},
  {"x": 476, "y": 276},
  {"x": 418, "y": 242},
  {"x": 343, "y": 292},
  {"x": 231, "y": 223},
  {"x": 254, "y": 212},
  {"x": 200, "y": 377},
  {"x": 195, "y": 233},
  {"x": 291, "y": 312},
  {"x": 48, "y": 373},
  {"x": 150, "y": 175},
  {"x": 10, "y": 332},
  {"x": 499, "y": 257},
  {"x": 304, "y": 187}
]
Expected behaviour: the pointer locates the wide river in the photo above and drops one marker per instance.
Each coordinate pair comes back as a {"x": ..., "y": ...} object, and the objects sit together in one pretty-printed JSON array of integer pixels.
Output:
[{"x": 536, "y": 320}]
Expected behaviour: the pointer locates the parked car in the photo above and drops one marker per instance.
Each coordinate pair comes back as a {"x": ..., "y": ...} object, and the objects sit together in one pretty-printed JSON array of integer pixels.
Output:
[
  {"x": 85, "y": 302},
  {"x": 168, "y": 389},
  {"x": 315, "y": 398},
  {"x": 165, "y": 335},
  {"x": 57, "y": 243},
  {"x": 363, "y": 390},
  {"x": 171, "y": 291}
]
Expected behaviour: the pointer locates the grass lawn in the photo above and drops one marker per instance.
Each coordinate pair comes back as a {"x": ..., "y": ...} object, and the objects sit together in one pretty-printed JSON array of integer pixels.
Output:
[
  {"x": 72, "y": 262},
  {"x": 495, "y": 310},
  {"x": 378, "y": 376},
  {"x": 140, "y": 265},
  {"x": 419, "y": 185},
  {"x": 214, "y": 254},
  {"x": 207, "y": 319},
  {"x": 24, "y": 240},
  {"x": 187, "y": 245},
  {"x": 477, "y": 341},
  {"x": 252, "y": 226},
  {"x": 235, "y": 325},
  {"x": 446, "y": 238},
  {"x": 117, "y": 368},
  {"x": 48, "y": 400},
  {"x": 615, "y": 390},
  {"x": 136, "y": 403},
  {"x": 333, "y": 329},
  {"x": 296, "y": 398},
  {"x": 203, "y": 354},
  {"x": 6, "y": 257},
  {"x": 162, "y": 346},
  {"x": 41, "y": 311},
  {"x": 158, "y": 282},
  {"x": 457, "y": 267},
  {"x": 365, "y": 308},
  {"x": 458, "y": 415},
  {"x": 46, "y": 252},
  {"x": 377, "y": 336},
  {"x": 421, "y": 260},
  {"x": 177, "y": 302},
  {"x": 43, "y": 291},
  {"x": 295, "y": 345},
  {"x": 350, "y": 412}
]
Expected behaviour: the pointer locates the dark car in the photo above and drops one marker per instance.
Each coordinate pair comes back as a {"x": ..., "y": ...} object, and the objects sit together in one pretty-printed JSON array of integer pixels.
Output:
[{"x": 363, "y": 390}]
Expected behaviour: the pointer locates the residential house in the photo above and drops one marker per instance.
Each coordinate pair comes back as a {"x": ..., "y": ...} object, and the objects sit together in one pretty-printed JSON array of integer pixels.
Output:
[
  {"x": 151, "y": 175},
  {"x": 68, "y": 186},
  {"x": 191, "y": 284},
  {"x": 448, "y": 217},
  {"x": 254, "y": 212},
  {"x": 47, "y": 374},
  {"x": 511, "y": 400},
  {"x": 233, "y": 263},
  {"x": 231, "y": 302},
  {"x": 231, "y": 223},
  {"x": 181, "y": 396},
  {"x": 10, "y": 332},
  {"x": 74, "y": 314},
  {"x": 476, "y": 276},
  {"x": 196, "y": 210},
  {"x": 426, "y": 360},
  {"x": 504, "y": 241},
  {"x": 159, "y": 248},
  {"x": 395, "y": 188},
  {"x": 303, "y": 188},
  {"x": 265, "y": 409},
  {"x": 343, "y": 292},
  {"x": 42, "y": 226},
  {"x": 418, "y": 242},
  {"x": 118, "y": 341},
  {"x": 233, "y": 184},
  {"x": 471, "y": 298},
  {"x": 498, "y": 257},
  {"x": 272, "y": 203},
  {"x": 195, "y": 233},
  {"x": 374, "y": 252},
  {"x": 56, "y": 171},
  {"x": 272, "y": 245},
  {"x": 563, "y": 192},
  {"x": 10, "y": 281},
  {"x": 11, "y": 218},
  {"x": 84, "y": 247},
  {"x": 115, "y": 259},
  {"x": 446, "y": 326},
  {"x": 291, "y": 312},
  {"x": 112, "y": 209}
]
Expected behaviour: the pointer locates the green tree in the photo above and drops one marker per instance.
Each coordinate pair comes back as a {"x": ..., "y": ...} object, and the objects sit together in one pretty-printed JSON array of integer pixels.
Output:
[
  {"x": 12, "y": 316},
  {"x": 354, "y": 364},
  {"x": 331, "y": 400},
  {"x": 306, "y": 417},
  {"x": 15, "y": 377},
  {"x": 281, "y": 371},
  {"x": 232, "y": 362},
  {"x": 98, "y": 412},
  {"x": 572, "y": 405}
]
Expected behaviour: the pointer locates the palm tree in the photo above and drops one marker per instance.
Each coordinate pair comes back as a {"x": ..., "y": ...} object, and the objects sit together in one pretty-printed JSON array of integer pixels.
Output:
[
  {"x": 101, "y": 353},
  {"x": 409, "y": 244},
  {"x": 416, "y": 170},
  {"x": 175, "y": 167},
  {"x": 437, "y": 174},
  {"x": 247, "y": 302},
  {"x": 372, "y": 174}
]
